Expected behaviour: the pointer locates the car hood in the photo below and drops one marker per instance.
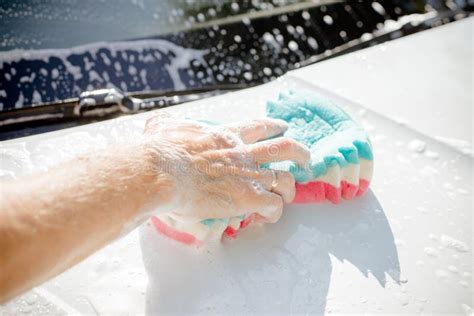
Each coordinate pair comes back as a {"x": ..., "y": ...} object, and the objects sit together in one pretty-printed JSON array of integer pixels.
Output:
[{"x": 406, "y": 246}]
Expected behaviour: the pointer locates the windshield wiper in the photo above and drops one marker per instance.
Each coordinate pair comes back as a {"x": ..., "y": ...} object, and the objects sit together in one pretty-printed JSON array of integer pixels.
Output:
[{"x": 104, "y": 103}]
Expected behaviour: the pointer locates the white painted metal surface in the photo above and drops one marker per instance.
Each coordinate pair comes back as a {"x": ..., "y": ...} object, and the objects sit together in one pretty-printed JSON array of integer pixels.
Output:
[
  {"x": 424, "y": 81},
  {"x": 404, "y": 247}
]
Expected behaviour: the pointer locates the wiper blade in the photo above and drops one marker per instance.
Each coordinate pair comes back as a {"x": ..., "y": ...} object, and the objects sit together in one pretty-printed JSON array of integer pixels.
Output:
[{"x": 104, "y": 103}]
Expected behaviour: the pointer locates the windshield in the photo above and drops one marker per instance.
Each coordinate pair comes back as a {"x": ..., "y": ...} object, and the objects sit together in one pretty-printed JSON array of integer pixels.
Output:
[{"x": 34, "y": 24}]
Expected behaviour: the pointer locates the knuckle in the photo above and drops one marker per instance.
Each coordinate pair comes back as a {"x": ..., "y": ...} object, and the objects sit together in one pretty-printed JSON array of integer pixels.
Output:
[
  {"x": 258, "y": 125},
  {"x": 225, "y": 137},
  {"x": 239, "y": 156}
]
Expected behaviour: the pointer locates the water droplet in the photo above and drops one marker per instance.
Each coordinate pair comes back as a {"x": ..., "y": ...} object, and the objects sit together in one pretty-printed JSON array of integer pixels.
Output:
[
  {"x": 421, "y": 209},
  {"x": 201, "y": 17},
  {"x": 26, "y": 309},
  {"x": 433, "y": 237},
  {"x": 441, "y": 274},
  {"x": 31, "y": 299},
  {"x": 429, "y": 171},
  {"x": 399, "y": 242},
  {"x": 431, "y": 252},
  {"x": 378, "y": 7},
  {"x": 267, "y": 71},
  {"x": 467, "y": 309},
  {"x": 417, "y": 146},
  {"x": 248, "y": 76},
  {"x": 403, "y": 279},
  {"x": 431, "y": 154},
  {"x": 419, "y": 263},
  {"x": 292, "y": 45},
  {"x": 403, "y": 299},
  {"x": 328, "y": 20},
  {"x": 312, "y": 43},
  {"x": 448, "y": 186}
]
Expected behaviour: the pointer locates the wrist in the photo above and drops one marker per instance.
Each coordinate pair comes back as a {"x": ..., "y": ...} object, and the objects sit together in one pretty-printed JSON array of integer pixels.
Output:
[{"x": 156, "y": 177}]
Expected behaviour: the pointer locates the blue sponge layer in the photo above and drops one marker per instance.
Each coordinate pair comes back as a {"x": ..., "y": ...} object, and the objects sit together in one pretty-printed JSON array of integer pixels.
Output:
[{"x": 330, "y": 133}]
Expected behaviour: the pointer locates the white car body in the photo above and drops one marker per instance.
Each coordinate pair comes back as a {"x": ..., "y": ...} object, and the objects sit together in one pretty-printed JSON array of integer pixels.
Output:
[{"x": 405, "y": 247}]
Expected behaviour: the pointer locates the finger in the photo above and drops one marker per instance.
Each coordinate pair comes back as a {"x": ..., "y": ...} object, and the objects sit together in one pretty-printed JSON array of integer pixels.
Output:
[
  {"x": 279, "y": 149},
  {"x": 283, "y": 183},
  {"x": 254, "y": 198},
  {"x": 260, "y": 129},
  {"x": 270, "y": 207},
  {"x": 217, "y": 166}
]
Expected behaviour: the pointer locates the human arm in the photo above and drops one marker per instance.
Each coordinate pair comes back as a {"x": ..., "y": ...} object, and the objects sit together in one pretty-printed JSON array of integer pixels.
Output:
[{"x": 52, "y": 220}]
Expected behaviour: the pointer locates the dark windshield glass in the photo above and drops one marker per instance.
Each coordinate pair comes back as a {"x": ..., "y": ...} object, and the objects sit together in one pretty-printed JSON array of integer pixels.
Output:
[{"x": 33, "y": 24}]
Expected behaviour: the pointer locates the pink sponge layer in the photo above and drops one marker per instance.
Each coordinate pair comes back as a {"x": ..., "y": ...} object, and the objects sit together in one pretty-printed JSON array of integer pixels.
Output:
[
  {"x": 232, "y": 233},
  {"x": 172, "y": 233},
  {"x": 318, "y": 191},
  {"x": 311, "y": 192},
  {"x": 189, "y": 239}
]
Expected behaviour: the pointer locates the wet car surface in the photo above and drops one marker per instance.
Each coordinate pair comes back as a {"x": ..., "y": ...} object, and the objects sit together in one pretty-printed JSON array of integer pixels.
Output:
[{"x": 405, "y": 247}]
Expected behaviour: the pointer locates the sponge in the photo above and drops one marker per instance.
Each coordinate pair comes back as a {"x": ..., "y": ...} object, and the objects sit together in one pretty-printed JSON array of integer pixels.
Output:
[
  {"x": 341, "y": 153},
  {"x": 341, "y": 164}
]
